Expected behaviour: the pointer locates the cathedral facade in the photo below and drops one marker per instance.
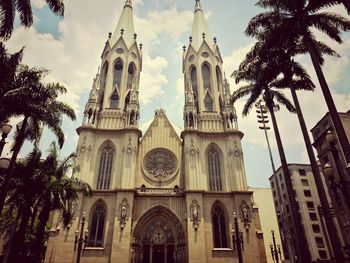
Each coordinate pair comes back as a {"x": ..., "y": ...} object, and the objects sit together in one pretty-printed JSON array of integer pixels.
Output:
[{"x": 161, "y": 194}]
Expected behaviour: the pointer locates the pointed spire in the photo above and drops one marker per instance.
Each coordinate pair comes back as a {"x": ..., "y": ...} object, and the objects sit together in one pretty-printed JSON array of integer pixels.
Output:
[
  {"x": 200, "y": 31},
  {"x": 125, "y": 26}
]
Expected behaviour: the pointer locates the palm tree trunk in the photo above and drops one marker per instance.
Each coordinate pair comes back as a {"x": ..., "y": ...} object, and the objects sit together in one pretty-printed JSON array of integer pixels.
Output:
[
  {"x": 40, "y": 234},
  {"x": 17, "y": 251},
  {"x": 339, "y": 129},
  {"x": 303, "y": 249},
  {"x": 332, "y": 231},
  {"x": 10, "y": 171}
]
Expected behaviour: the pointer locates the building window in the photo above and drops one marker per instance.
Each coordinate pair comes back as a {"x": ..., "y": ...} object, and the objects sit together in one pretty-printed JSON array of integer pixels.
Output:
[
  {"x": 194, "y": 85},
  {"x": 219, "y": 226},
  {"x": 313, "y": 216},
  {"x": 307, "y": 193},
  {"x": 114, "y": 100},
  {"x": 316, "y": 228},
  {"x": 97, "y": 225},
  {"x": 319, "y": 242},
  {"x": 206, "y": 77},
  {"x": 218, "y": 77},
  {"x": 302, "y": 172},
  {"x": 304, "y": 182},
  {"x": 105, "y": 171},
  {"x": 131, "y": 74},
  {"x": 272, "y": 185},
  {"x": 323, "y": 254},
  {"x": 214, "y": 168},
  {"x": 118, "y": 73},
  {"x": 310, "y": 205},
  {"x": 208, "y": 102}
]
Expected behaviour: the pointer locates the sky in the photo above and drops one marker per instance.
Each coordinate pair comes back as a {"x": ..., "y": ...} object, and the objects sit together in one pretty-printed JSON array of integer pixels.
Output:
[{"x": 71, "y": 47}]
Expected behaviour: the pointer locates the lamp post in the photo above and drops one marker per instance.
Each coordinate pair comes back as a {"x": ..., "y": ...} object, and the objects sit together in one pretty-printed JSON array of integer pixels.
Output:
[
  {"x": 263, "y": 120},
  {"x": 5, "y": 128},
  {"x": 237, "y": 239},
  {"x": 275, "y": 250},
  {"x": 79, "y": 239}
]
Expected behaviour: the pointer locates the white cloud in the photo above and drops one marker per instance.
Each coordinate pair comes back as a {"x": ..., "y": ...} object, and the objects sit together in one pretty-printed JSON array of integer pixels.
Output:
[{"x": 38, "y": 3}]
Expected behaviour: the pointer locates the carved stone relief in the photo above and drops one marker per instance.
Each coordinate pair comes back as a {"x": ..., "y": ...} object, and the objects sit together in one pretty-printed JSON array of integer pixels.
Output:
[
  {"x": 194, "y": 208},
  {"x": 123, "y": 213}
]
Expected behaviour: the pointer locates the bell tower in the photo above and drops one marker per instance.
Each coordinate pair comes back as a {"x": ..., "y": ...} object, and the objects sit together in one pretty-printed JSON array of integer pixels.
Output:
[
  {"x": 114, "y": 98},
  {"x": 207, "y": 104}
]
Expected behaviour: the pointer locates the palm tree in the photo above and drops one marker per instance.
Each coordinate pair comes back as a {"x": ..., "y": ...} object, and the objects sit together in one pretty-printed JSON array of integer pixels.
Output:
[
  {"x": 8, "y": 67},
  {"x": 290, "y": 22},
  {"x": 293, "y": 70},
  {"x": 43, "y": 186},
  {"x": 8, "y": 9},
  {"x": 58, "y": 192},
  {"x": 23, "y": 193},
  {"x": 39, "y": 105},
  {"x": 263, "y": 80}
]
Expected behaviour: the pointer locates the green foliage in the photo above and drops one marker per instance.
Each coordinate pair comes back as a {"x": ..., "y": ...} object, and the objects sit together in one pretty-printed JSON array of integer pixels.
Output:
[{"x": 9, "y": 8}]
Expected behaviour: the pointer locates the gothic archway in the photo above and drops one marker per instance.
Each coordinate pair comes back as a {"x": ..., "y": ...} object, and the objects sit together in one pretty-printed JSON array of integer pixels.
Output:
[{"x": 159, "y": 237}]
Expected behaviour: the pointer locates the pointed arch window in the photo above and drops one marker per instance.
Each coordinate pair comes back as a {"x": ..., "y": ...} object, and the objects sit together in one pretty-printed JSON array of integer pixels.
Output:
[
  {"x": 219, "y": 78},
  {"x": 103, "y": 84},
  {"x": 131, "y": 74},
  {"x": 127, "y": 100},
  {"x": 208, "y": 102},
  {"x": 219, "y": 226},
  {"x": 214, "y": 169},
  {"x": 97, "y": 225},
  {"x": 105, "y": 170},
  {"x": 194, "y": 85},
  {"x": 114, "y": 99},
  {"x": 206, "y": 77},
  {"x": 118, "y": 72}
]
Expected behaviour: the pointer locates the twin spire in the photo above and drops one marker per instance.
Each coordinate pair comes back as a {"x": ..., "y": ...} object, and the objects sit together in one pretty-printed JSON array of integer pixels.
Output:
[{"x": 125, "y": 27}]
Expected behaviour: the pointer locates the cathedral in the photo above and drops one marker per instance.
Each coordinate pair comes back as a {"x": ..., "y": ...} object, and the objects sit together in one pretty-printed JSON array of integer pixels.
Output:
[{"x": 160, "y": 194}]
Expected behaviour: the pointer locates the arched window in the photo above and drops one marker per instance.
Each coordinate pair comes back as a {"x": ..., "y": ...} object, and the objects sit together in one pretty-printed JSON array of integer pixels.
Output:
[
  {"x": 131, "y": 74},
  {"x": 219, "y": 226},
  {"x": 118, "y": 71},
  {"x": 127, "y": 100},
  {"x": 214, "y": 169},
  {"x": 208, "y": 102},
  {"x": 218, "y": 78},
  {"x": 105, "y": 171},
  {"x": 114, "y": 99},
  {"x": 103, "y": 84},
  {"x": 194, "y": 85},
  {"x": 206, "y": 77},
  {"x": 97, "y": 225}
]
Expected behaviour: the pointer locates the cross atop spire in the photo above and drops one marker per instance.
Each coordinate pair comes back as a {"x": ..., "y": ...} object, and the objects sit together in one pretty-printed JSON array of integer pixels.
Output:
[
  {"x": 198, "y": 6},
  {"x": 128, "y": 2}
]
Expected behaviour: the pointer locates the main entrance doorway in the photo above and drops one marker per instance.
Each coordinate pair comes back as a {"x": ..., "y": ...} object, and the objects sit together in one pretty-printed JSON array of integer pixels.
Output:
[{"x": 159, "y": 237}]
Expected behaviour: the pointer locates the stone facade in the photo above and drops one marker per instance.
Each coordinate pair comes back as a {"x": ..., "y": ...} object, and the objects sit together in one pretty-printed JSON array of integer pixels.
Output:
[
  {"x": 161, "y": 194},
  {"x": 331, "y": 155}
]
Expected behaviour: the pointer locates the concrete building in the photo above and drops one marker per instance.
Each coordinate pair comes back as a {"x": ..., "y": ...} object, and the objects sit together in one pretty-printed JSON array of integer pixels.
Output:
[
  {"x": 308, "y": 202},
  {"x": 331, "y": 156},
  {"x": 162, "y": 195},
  {"x": 263, "y": 199}
]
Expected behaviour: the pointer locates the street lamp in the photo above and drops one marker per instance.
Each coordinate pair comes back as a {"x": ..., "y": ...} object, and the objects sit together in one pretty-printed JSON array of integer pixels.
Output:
[
  {"x": 5, "y": 128},
  {"x": 237, "y": 239},
  {"x": 79, "y": 239},
  {"x": 275, "y": 250},
  {"x": 263, "y": 120}
]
